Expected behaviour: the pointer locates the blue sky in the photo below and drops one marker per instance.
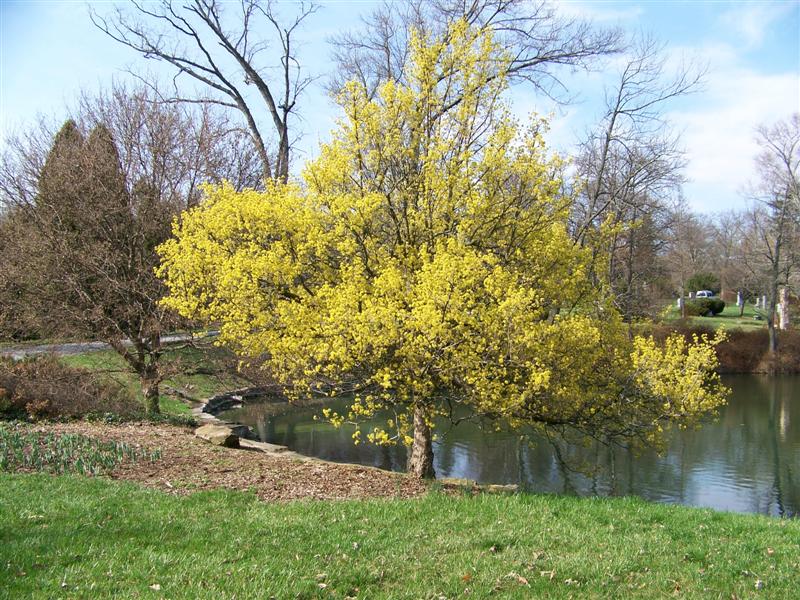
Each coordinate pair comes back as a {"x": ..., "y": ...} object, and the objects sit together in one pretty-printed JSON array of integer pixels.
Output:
[{"x": 50, "y": 50}]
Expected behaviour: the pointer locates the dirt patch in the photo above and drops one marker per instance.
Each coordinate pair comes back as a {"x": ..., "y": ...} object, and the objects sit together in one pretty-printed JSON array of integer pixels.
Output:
[{"x": 188, "y": 464}]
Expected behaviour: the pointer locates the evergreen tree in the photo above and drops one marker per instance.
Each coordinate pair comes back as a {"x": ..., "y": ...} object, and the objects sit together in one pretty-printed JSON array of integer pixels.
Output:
[{"x": 89, "y": 253}]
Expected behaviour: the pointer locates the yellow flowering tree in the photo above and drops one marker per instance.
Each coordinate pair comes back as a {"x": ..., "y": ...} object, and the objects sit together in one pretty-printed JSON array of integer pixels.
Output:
[{"x": 424, "y": 259}]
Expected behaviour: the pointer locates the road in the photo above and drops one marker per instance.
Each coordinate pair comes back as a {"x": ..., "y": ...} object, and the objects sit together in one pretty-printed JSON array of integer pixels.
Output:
[{"x": 20, "y": 352}]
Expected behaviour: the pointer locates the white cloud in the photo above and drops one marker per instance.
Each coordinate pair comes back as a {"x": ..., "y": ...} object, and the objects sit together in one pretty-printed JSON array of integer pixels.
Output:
[
  {"x": 599, "y": 12},
  {"x": 718, "y": 131},
  {"x": 750, "y": 21}
]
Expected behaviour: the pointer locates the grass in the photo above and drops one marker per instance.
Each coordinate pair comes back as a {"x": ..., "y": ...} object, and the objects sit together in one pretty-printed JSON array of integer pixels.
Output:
[
  {"x": 90, "y": 537},
  {"x": 728, "y": 319},
  {"x": 200, "y": 372}
]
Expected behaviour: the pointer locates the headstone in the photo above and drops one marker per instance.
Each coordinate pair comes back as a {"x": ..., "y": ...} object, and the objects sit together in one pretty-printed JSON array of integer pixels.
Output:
[
  {"x": 681, "y": 303},
  {"x": 783, "y": 310},
  {"x": 739, "y": 299}
]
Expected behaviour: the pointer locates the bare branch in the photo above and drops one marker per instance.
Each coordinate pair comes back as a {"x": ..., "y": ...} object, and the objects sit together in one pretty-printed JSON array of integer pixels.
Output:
[{"x": 194, "y": 39}]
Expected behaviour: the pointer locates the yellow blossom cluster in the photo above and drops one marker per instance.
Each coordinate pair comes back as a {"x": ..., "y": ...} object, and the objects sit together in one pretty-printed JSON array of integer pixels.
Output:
[{"x": 426, "y": 253}]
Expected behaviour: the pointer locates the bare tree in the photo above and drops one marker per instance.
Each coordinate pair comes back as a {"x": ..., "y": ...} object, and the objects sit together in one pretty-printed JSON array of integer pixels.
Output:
[
  {"x": 174, "y": 147},
  {"x": 81, "y": 218},
  {"x": 687, "y": 251},
  {"x": 774, "y": 221},
  {"x": 729, "y": 256},
  {"x": 630, "y": 171},
  {"x": 541, "y": 42},
  {"x": 222, "y": 48},
  {"x": 726, "y": 235}
]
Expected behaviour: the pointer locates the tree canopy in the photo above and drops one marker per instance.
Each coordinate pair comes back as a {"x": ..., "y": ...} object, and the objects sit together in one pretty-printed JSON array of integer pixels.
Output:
[{"x": 424, "y": 260}]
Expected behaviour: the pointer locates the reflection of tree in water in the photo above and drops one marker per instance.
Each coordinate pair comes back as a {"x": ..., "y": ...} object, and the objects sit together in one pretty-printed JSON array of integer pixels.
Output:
[
  {"x": 748, "y": 459},
  {"x": 784, "y": 442}
]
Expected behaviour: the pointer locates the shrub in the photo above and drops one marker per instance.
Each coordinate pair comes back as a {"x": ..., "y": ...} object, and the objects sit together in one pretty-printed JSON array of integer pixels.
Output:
[
  {"x": 44, "y": 388},
  {"x": 704, "y": 307}
]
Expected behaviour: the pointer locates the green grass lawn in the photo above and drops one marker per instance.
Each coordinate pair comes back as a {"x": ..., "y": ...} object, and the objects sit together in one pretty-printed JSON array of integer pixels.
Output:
[
  {"x": 728, "y": 319},
  {"x": 70, "y": 536},
  {"x": 213, "y": 377}
]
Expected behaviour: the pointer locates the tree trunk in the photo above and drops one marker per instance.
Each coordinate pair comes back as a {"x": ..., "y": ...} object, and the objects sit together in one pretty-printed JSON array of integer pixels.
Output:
[
  {"x": 773, "y": 334},
  {"x": 151, "y": 392},
  {"x": 420, "y": 459},
  {"x": 771, "y": 310}
]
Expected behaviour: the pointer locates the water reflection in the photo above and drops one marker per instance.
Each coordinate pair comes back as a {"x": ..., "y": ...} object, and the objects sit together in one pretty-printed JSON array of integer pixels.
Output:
[{"x": 747, "y": 460}]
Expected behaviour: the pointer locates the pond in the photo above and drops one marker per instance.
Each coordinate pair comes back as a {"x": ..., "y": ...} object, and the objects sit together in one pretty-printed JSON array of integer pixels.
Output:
[{"x": 745, "y": 460}]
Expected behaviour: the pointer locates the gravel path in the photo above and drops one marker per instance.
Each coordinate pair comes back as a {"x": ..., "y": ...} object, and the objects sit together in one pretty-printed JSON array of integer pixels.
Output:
[{"x": 20, "y": 352}]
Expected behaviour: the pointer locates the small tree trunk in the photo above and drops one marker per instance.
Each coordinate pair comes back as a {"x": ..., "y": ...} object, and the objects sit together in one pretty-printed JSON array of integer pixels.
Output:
[
  {"x": 420, "y": 459},
  {"x": 773, "y": 336},
  {"x": 151, "y": 392},
  {"x": 771, "y": 310},
  {"x": 773, "y": 333}
]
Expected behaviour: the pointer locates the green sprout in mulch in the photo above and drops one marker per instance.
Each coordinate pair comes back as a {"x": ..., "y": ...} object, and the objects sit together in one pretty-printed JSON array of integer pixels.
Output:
[{"x": 26, "y": 450}]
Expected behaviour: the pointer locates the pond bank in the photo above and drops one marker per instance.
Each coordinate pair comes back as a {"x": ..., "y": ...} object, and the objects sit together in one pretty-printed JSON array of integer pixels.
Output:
[
  {"x": 743, "y": 351},
  {"x": 206, "y": 414},
  {"x": 745, "y": 458}
]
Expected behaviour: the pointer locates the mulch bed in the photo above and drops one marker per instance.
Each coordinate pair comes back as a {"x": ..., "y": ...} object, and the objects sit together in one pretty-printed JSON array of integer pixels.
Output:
[{"x": 188, "y": 464}]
